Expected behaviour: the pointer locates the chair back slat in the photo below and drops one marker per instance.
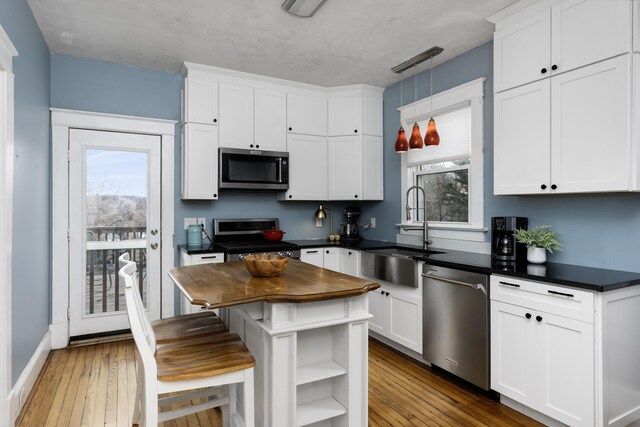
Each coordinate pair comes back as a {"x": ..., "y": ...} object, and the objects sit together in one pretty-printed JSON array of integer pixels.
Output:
[{"x": 140, "y": 326}]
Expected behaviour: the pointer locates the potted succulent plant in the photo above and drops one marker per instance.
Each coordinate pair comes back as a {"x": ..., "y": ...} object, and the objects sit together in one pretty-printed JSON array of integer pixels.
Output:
[{"x": 538, "y": 241}]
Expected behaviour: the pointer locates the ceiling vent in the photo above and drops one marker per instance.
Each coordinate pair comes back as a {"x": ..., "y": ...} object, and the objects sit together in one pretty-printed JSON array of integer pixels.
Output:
[{"x": 302, "y": 8}]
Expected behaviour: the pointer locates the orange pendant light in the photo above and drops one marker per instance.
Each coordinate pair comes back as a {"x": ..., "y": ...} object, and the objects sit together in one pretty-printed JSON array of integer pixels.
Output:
[
  {"x": 432, "y": 137},
  {"x": 415, "y": 142},
  {"x": 401, "y": 143}
]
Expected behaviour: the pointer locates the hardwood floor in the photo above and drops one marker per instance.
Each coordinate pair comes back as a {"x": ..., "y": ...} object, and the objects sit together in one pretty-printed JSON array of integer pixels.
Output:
[{"x": 94, "y": 386}]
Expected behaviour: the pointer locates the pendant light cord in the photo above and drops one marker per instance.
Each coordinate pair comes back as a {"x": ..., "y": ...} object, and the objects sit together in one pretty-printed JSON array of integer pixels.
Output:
[
  {"x": 431, "y": 85},
  {"x": 401, "y": 98}
]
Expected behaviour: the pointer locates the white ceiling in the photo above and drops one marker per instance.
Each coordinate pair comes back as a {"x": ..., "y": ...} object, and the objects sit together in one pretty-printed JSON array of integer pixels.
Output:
[{"x": 346, "y": 42}]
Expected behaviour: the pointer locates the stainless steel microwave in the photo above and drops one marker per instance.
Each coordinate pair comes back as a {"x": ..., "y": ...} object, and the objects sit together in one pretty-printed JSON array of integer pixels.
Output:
[{"x": 253, "y": 169}]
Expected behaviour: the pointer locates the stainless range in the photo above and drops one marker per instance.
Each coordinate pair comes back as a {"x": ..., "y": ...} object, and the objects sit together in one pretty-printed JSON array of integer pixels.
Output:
[{"x": 239, "y": 237}]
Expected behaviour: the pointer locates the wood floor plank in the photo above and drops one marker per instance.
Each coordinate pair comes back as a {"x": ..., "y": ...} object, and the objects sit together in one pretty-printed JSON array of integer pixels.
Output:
[{"x": 96, "y": 387}]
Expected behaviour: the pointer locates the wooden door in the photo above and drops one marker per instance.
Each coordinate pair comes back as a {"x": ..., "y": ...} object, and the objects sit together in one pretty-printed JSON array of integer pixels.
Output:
[{"x": 114, "y": 207}]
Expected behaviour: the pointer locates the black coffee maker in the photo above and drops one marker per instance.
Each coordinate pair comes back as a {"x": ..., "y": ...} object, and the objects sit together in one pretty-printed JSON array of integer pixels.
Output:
[
  {"x": 349, "y": 231},
  {"x": 504, "y": 247}
]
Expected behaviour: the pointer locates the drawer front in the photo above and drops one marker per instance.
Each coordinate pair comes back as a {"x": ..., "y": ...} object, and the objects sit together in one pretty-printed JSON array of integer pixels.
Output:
[
  {"x": 566, "y": 302},
  {"x": 207, "y": 258}
]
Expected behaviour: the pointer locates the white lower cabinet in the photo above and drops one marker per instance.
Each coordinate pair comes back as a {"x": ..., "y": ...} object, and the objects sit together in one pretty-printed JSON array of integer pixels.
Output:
[
  {"x": 397, "y": 314},
  {"x": 349, "y": 261},
  {"x": 333, "y": 258},
  {"x": 564, "y": 352},
  {"x": 185, "y": 259}
]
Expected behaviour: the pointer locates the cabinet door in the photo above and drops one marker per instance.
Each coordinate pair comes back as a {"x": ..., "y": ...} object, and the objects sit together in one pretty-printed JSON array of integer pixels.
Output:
[
  {"x": 345, "y": 116},
  {"x": 307, "y": 114},
  {"x": 312, "y": 256},
  {"x": 199, "y": 149},
  {"x": 522, "y": 140},
  {"x": 404, "y": 319},
  {"x": 270, "y": 120},
  {"x": 590, "y": 129},
  {"x": 372, "y": 168},
  {"x": 307, "y": 167},
  {"x": 372, "y": 115},
  {"x": 350, "y": 262},
  {"x": 513, "y": 352},
  {"x": 565, "y": 369},
  {"x": 345, "y": 168},
  {"x": 522, "y": 52},
  {"x": 200, "y": 101},
  {"x": 376, "y": 308},
  {"x": 585, "y": 31},
  {"x": 236, "y": 116},
  {"x": 332, "y": 258}
]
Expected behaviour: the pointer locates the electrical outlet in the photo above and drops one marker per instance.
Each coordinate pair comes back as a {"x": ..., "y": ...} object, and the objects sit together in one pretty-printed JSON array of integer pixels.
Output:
[
  {"x": 203, "y": 222},
  {"x": 188, "y": 222},
  {"x": 373, "y": 222}
]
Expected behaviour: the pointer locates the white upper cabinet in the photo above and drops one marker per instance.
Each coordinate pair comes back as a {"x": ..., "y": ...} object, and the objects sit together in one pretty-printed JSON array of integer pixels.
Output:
[
  {"x": 307, "y": 168},
  {"x": 372, "y": 168},
  {"x": 521, "y": 52},
  {"x": 270, "y": 120},
  {"x": 372, "y": 115},
  {"x": 199, "y": 149},
  {"x": 345, "y": 168},
  {"x": 200, "y": 100},
  {"x": 569, "y": 35},
  {"x": 307, "y": 114},
  {"x": 236, "y": 116},
  {"x": 345, "y": 116}
]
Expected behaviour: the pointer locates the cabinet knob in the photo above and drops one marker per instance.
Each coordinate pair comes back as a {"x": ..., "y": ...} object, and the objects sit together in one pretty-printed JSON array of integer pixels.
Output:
[
  {"x": 327, "y": 251},
  {"x": 290, "y": 196},
  {"x": 215, "y": 195},
  {"x": 553, "y": 186},
  {"x": 543, "y": 186},
  {"x": 356, "y": 196},
  {"x": 355, "y": 131},
  {"x": 554, "y": 67},
  {"x": 250, "y": 145},
  {"x": 543, "y": 71},
  {"x": 257, "y": 145},
  {"x": 349, "y": 252},
  {"x": 528, "y": 315},
  {"x": 290, "y": 128},
  {"x": 539, "y": 318},
  {"x": 215, "y": 120}
]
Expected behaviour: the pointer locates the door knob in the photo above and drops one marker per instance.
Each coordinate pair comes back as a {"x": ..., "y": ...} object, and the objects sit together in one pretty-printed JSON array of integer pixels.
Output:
[{"x": 154, "y": 246}]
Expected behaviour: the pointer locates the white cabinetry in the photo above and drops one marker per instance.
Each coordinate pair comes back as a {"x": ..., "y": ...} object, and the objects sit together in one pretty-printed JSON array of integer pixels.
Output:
[
  {"x": 345, "y": 116},
  {"x": 554, "y": 40},
  {"x": 372, "y": 168},
  {"x": 551, "y": 346},
  {"x": 307, "y": 114},
  {"x": 312, "y": 256},
  {"x": 270, "y": 110},
  {"x": 185, "y": 259},
  {"x": 236, "y": 116},
  {"x": 349, "y": 262},
  {"x": 397, "y": 314},
  {"x": 328, "y": 257},
  {"x": 199, "y": 100},
  {"x": 199, "y": 168},
  {"x": 571, "y": 132},
  {"x": 307, "y": 168},
  {"x": 345, "y": 168}
]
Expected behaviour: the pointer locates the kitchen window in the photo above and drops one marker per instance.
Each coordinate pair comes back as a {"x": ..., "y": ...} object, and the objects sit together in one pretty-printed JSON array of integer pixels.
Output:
[{"x": 451, "y": 173}]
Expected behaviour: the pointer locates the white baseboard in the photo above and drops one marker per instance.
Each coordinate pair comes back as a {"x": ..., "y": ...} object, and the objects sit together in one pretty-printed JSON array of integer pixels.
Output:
[
  {"x": 531, "y": 413},
  {"x": 28, "y": 378},
  {"x": 59, "y": 335}
]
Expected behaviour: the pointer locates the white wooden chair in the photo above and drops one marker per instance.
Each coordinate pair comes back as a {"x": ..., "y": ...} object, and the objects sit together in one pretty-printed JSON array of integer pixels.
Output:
[
  {"x": 202, "y": 363},
  {"x": 184, "y": 327}
]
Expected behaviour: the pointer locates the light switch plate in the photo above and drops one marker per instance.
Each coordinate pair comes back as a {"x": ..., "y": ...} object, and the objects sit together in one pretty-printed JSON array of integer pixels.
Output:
[{"x": 188, "y": 222}]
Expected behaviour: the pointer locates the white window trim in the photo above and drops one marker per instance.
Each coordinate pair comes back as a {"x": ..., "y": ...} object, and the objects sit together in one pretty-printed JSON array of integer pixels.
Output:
[
  {"x": 7, "y": 52},
  {"x": 61, "y": 122},
  {"x": 471, "y": 93}
]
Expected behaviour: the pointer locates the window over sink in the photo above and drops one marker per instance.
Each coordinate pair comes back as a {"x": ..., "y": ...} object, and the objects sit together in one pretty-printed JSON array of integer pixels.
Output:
[{"x": 451, "y": 173}]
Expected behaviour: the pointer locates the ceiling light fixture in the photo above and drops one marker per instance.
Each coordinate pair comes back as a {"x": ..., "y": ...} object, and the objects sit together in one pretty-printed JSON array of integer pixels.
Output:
[
  {"x": 302, "y": 8},
  {"x": 431, "y": 137},
  {"x": 401, "y": 143},
  {"x": 415, "y": 142}
]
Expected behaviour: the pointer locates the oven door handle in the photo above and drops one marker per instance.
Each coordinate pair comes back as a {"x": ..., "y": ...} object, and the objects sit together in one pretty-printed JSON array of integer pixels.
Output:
[{"x": 476, "y": 286}]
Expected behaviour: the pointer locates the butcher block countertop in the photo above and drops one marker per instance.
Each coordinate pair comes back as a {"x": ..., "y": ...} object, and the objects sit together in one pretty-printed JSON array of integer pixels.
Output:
[{"x": 227, "y": 284}]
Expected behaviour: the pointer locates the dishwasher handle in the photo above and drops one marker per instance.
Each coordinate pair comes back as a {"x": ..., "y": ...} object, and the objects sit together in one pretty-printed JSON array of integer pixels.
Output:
[{"x": 475, "y": 286}]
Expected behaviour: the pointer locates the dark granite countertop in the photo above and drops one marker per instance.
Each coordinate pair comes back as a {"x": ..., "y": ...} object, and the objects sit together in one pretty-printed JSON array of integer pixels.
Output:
[
  {"x": 589, "y": 278},
  {"x": 204, "y": 249}
]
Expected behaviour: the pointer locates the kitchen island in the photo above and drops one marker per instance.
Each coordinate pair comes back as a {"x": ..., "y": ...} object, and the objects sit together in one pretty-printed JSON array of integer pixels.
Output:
[{"x": 307, "y": 330}]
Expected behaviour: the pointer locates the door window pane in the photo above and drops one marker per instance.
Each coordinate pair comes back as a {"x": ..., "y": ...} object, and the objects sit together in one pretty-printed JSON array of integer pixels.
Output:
[{"x": 116, "y": 222}]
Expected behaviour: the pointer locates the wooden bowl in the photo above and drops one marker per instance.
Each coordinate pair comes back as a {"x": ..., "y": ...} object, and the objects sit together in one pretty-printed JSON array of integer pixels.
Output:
[{"x": 264, "y": 265}]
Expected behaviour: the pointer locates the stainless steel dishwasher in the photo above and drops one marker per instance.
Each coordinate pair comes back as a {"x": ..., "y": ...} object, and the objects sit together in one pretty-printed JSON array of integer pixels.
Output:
[{"x": 455, "y": 322}]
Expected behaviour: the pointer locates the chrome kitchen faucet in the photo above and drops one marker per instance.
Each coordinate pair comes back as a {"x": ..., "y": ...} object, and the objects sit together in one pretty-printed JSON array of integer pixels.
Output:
[{"x": 425, "y": 229}]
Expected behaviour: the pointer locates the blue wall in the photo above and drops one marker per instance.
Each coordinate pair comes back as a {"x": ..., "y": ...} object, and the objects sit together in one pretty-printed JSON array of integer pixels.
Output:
[
  {"x": 31, "y": 201},
  {"x": 596, "y": 230}
]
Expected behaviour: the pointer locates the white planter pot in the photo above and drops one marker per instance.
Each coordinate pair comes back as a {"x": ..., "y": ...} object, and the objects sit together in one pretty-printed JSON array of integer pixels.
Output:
[{"x": 537, "y": 255}]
